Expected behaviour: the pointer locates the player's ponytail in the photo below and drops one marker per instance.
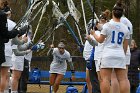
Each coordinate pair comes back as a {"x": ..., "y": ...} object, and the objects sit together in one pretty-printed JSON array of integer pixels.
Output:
[
  {"x": 105, "y": 15},
  {"x": 118, "y": 9}
]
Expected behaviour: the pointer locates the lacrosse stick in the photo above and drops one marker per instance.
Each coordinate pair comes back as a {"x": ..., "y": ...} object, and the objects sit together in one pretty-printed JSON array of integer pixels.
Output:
[
  {"x": 75, "y": 14},
  {"x": 43, "y": 11},
  {"x": 84, "y": 16},
  {"x": 93, "y": 10},
  {"x": 58, "y": 14},
  {"x": 26, "y": 15}
]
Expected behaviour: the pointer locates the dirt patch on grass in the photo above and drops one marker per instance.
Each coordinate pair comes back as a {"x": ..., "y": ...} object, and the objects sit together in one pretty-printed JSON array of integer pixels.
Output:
[{"x": 46, "y": 88}]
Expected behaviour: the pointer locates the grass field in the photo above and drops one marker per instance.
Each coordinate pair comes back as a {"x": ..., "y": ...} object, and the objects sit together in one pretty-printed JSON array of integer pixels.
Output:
[{"x": 45, "y": 88}]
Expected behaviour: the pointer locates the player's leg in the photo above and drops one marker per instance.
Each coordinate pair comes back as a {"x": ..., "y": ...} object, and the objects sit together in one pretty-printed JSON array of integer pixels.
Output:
[
  {"x": 57, "y": 82},
  {"x": 114, "y": 83},
  {"x": 97, "y": 64},
  {"x": 123, "y": 80},
  {"x": 89, "y": 86},
  {"x": 15, "y": 80},
  {"x": 52, "y": 78},
  {"x": 5, "y": 75},
  {"x": 22, "y": 88},
  {"x": 94, "y": 79},
  {"x": 105, "y": 79},
  {"x": 4, "y": 78}
]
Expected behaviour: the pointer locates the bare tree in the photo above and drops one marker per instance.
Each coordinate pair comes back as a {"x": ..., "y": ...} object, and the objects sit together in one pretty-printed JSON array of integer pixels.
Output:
[
  {"x": 127, "y": 8},
  {"x": 137, "y": 19}
]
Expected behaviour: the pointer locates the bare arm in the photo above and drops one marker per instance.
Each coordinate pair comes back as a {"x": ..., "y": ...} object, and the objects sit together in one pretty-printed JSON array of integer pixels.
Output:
[
  {"x": 71, "y": 66},
  {"x": 20, "y": 53},
  {"x": 100, "y": 38},
  {"x": 91, "y": 41},
  {"x": 25, "y": 46},
  {"x": 17, "y": 41},
  {"x": 125, "y": 45},
  {"x": 129, "y": 41}
]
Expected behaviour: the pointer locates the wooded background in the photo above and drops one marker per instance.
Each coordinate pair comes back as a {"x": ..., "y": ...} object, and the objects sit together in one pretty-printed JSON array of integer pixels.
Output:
[{"x": 19, "y": 8}]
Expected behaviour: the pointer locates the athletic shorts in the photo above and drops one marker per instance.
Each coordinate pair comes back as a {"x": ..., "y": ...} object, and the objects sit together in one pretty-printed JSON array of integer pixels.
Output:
[
  {"x": 8, "y": 62},
  {"x": 17, "y": 66}
]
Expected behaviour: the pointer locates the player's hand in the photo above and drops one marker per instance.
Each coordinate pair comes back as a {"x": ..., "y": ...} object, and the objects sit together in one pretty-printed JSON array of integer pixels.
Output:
[
  {"x": 92, "y": 31},
  {"x": 88, "y": 37},
  {"x": 25, "y": 39},
  {"x": 52, "y": 46},
  {"x": 39, "y": 46}
]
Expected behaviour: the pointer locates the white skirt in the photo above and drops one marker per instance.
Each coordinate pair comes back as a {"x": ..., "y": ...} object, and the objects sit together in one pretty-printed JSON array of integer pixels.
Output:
[
  {"x": 128, "y": 57},
  {"x": 97, "y": 64},
  {"x": 8, "y": 62},
  {"x": 58, "y": 68},
  {"x": 17, "y": 66},
  {"x": 113, "y": 62}
]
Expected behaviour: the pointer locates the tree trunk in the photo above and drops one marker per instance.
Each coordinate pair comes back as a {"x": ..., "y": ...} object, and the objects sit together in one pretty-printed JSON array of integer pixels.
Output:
[
  {"x": 127, "y": 8},
  {"x": 137, "y": 20}
]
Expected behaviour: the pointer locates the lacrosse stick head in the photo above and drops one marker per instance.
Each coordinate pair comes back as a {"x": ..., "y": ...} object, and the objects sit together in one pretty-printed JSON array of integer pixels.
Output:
[
  {"x": 56, "y": 11},
  {"x": 73, "y": 10},
  {"x": 89, "y": 25}
]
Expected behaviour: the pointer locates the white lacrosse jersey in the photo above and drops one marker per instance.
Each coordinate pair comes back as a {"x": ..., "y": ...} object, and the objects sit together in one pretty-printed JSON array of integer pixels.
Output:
[
  {"x": 88, "y": 47},
  {"x": 8, "y": 49},
  {"x": 87, "y": 50},
  {"x": 125, "y": 21},
  {"x": 98, "y": 53},
  {"x": 113, "y": 53},
  {"x": 98, "y": 48},
  {"x": 59, "y": 64}
]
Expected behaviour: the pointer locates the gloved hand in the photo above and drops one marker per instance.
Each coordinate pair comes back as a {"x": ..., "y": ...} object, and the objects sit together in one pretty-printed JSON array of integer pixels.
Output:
[
  {"x": 89, "y": 65},
  {"x": 23, "y": 30},
  {"x": 38, "y": 46}
]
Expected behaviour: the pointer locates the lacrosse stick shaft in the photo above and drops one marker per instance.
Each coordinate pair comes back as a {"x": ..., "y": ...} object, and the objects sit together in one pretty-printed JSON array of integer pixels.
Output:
[
  {"x": 84, "y": 16},
  {"x": 43, "y": 11},
  {"x": 92, "y": 9},
  {"x": 26, "y": 14},
  {"x": 78, "y": 28},
  {"x": 71, "y": 31},
  {"x": 52, "y": 43},
  {"x": 79, "y": 33}
]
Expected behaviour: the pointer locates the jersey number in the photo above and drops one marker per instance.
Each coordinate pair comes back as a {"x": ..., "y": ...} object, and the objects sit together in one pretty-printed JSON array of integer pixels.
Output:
[{"x": 119, "y": 38}]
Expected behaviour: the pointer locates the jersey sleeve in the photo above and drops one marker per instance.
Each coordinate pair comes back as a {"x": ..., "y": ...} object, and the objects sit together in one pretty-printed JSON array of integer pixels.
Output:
[
  {"x": 69, "y": 57},
  {"x": 104, "y": 30}
]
